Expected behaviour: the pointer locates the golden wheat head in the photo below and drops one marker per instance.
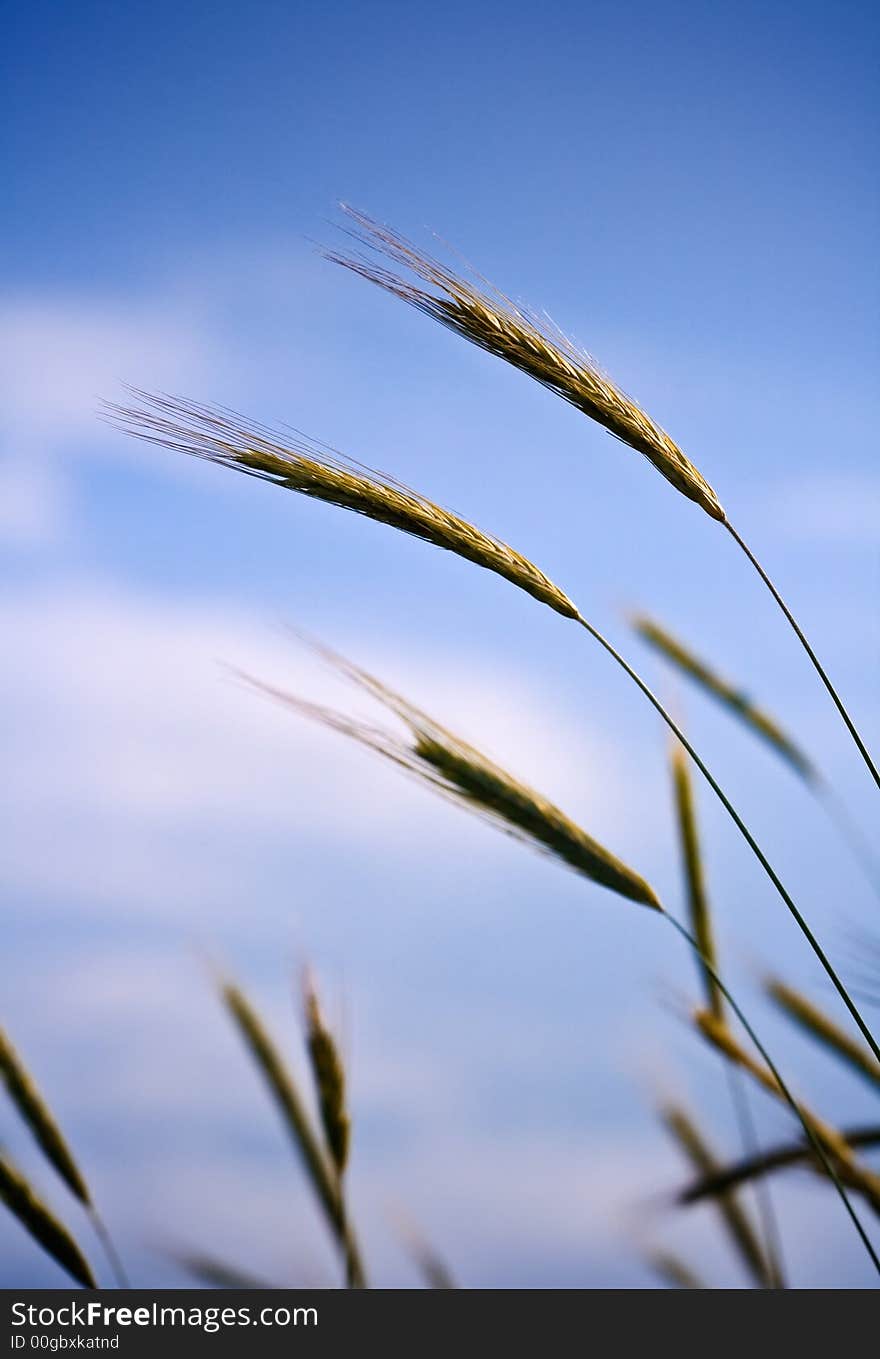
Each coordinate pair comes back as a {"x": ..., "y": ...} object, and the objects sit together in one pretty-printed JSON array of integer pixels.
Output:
[
  {"x": 25, "y": 1204},
  {"x": 284, "y": 1090},
  {"x": 315, "y": 470},
  {"x": 321, "y": 1172},
  {"x": 36, "y": 1114},
  {"x": 466, "y": 776},
  {"x": 491, "y": 321}
]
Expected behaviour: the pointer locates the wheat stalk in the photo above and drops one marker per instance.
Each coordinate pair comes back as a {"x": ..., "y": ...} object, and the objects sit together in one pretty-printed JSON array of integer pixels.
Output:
[
  {"x": 218, "y": 436},
  {"x": 701, "y": 926},
  {"x": 731, "y": 696},
  {"x": 764, "y": 1163},
  {"x": 808, "y": 650},
  {"x": 460, "y": 772},
  {"x": 42, "y": 1224},
  {"x": 816, "y": 1023},
  {"x": 721, "y": 1038},
  {"x": 763, "y": 725},
  {"x": 329, "y": 1074},
  {"x": 283, "y": 1088},
  {"x": 38, "y": 1117},
  {"x": 488, "y": 319},
  {"x": 491, "y": 321},
  {"x": 315, "y": 470},
  {"x": 814, "y": 1137},
  {"x": 36, "y": 1114},
  {"x": 736, "y": 1221}
]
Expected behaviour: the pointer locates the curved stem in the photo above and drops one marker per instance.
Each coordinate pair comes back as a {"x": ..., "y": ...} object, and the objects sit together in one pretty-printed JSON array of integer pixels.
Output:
[
  {"x": 743, "y": 830},
  {"x": 817, "y": 665},
  {"x": 112, "y": 1254},
  {"x": 815, "y": 1142},
  {"x": 765, "y": 1162}
]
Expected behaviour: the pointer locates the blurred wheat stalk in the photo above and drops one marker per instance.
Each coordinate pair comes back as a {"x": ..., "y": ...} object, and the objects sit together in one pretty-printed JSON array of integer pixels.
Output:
[
  {"x": 768, "y": 729},
  {"x": 324, "y": 1150},
  {"x": 715, "y": 1181},
  {"x": 22, "y": 1199}
]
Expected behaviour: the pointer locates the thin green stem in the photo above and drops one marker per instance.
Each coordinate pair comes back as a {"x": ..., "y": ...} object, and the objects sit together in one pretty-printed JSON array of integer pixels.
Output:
[
  {"x": 743, "y": 830},
  {"x": 817, "y": 665},
  {"x": 816, "y": 1144},
  {"x": 112, "y": 1254}
]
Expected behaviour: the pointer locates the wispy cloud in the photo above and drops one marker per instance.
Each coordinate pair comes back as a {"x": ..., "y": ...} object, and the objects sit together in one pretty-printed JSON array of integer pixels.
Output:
[
  {"x": 130, "y": 740},
  {"x": 57, "y": 357},
  {"x": 830, "y": 508}
]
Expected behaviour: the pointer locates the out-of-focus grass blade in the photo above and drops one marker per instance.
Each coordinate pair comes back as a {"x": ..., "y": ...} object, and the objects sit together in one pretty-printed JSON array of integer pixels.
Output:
[
  {"x": 730, "y": 695},
  {"x": 698, "y": 900},
  {"x": 776, "y": 1158},
  {"x": 817, "y": 1024},
  {"x": 734, "y": 1218},
  {"x": 672, "y": 1270},
  {"x": 282, "y": 1086},
  {"x": 25, "y": 1204}
]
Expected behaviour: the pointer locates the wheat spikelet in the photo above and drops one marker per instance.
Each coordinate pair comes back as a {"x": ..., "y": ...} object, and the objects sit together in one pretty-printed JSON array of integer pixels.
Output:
[
  {"x": 287, "y": 1096},
  {"x": 488, "y": 319},
  {"x": 329, "y": 1074},
  {"x": 24, "y": 1204},
  {"x": 283, "y": 1088},
  {"x": 698, "y": 900},
  {"x": 736, "y": 1221},
  {"x": 300, "y": 464},
  {"x": 36, "y": 1114},
  {"x": 469, "y": 778},
  {"x": 721, "y": 1038},
  {"x": 733, "y": 698},
  {"x": 815, "y": 1022}
]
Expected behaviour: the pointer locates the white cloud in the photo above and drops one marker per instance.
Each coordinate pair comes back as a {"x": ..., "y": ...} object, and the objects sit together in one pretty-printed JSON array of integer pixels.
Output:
[
  {"x": 57, "y": 359},
  {"x": 133, "y": 755}
]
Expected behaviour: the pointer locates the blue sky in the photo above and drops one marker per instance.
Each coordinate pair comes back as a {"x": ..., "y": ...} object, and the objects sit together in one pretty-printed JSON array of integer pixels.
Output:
[{"x": 689, "y": 190}]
